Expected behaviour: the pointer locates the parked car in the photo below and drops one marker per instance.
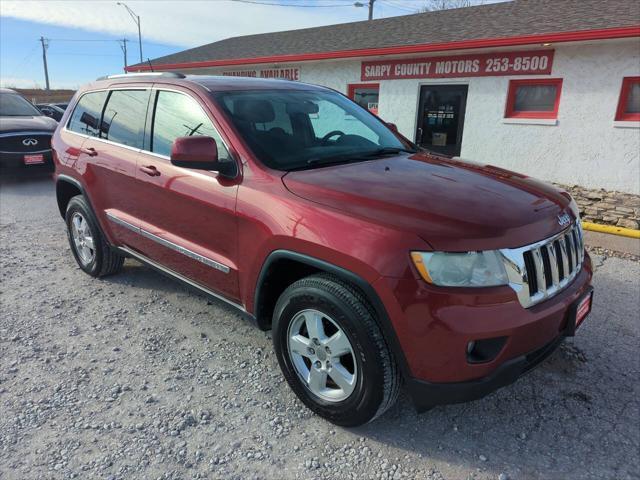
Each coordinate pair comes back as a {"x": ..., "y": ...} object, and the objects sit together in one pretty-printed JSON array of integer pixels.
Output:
[
  {"x": 373, "y": 263},
  {"x": 51, "y": 110},
  {"x": 25, "y": 134}
]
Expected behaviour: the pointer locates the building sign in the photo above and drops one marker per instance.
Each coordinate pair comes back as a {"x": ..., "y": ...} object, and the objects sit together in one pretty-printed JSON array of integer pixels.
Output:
[
  {"x": 535, "y": 62},
  {"x": 286, "y": 73}
]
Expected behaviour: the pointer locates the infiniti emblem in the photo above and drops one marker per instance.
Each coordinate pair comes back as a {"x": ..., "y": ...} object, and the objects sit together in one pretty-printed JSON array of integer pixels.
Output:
[
  {"x": 29, "y": 142},
  {"x": 564, "y": 219}
]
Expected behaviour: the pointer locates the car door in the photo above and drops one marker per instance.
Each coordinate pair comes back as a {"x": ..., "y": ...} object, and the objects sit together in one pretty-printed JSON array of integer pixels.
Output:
[
  {"x": 78, "y": 128},
  {"x": 108, "y": 160},
  {"x": 188, "y": 222}
]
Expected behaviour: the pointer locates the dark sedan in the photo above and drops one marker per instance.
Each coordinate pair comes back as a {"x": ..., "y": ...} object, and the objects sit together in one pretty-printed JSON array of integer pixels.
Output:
[
  {"x": 51, "y": 110},
  {"x": 25, "y": 134}
]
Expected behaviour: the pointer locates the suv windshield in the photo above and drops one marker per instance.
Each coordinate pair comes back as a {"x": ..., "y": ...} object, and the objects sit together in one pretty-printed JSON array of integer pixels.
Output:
[
  {"x": 13, "y": 105},
  {"x": 298, "y": 129}
]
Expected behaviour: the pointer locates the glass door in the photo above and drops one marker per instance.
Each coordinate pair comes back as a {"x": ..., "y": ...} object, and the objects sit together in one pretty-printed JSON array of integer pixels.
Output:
[{"x": 441, "y": 118}]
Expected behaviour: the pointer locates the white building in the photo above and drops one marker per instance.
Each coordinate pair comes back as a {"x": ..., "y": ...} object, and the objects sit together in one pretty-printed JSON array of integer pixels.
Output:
[{"x": 549, "y": 88}]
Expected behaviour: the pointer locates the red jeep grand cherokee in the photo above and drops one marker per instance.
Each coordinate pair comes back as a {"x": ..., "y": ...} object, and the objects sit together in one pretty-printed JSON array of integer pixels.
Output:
[{"x": 373, "y": 263}]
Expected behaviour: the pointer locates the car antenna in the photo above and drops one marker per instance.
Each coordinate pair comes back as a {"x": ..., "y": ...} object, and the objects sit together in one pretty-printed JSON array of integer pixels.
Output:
[{"x": 150, "y": 66}]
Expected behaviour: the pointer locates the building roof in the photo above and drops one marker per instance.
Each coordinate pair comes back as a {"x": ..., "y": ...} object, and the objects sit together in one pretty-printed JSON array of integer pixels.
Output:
[{"x": 519, "y": 18}]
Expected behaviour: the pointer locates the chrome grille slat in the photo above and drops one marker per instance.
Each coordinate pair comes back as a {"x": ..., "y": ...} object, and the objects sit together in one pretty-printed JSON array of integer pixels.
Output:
[
  {"x": 555, "y": 279},
  {"x": 537, "y": 261},
  {"x": 539, "y": 271},
  {"x": 564, "y": 257}
]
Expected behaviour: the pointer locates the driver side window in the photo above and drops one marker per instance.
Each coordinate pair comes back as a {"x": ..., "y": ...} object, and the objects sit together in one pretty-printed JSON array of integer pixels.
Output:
[
  {"x": 331, "y": 117},
  {"x": 178, "y": 115}
]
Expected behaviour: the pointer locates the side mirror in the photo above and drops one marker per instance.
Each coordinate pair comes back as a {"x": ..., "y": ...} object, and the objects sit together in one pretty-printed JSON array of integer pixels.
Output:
[
  {"x": 198, "y": 152},
  {"x": 392, "y": 126}
]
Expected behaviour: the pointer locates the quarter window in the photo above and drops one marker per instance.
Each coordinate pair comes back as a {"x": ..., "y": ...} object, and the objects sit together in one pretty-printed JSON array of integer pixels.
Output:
[
  {"x": 124, "y": 117},
  {"x": 86, "y": 115},
  {"x": 629, "y": 102},
  {"x": 538, "y": 98},
  {"x": 177, "y": 115}
]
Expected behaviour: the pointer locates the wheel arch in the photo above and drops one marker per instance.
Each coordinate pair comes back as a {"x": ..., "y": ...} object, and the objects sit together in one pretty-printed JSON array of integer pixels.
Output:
[
  {"x": 283, "y": 267},
  {"x": 67, "y": 188}
]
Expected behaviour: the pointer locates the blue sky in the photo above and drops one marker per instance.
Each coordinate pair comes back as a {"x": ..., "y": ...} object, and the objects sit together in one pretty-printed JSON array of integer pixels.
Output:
[
  {"x": 79, "y": 55},
  {"x": 74, "y": 56}
]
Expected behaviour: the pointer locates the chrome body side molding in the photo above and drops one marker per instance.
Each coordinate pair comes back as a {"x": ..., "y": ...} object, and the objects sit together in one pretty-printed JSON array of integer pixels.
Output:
[{"x": 166, "y": 243}]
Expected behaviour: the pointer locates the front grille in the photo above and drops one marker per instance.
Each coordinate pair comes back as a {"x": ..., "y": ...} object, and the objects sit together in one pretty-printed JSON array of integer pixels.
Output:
[
  {"x": 23, "y": 142},
  {"x": 539, "y": 271}
]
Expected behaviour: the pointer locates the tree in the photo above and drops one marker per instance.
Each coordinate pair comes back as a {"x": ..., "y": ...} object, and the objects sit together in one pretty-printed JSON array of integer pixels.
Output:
[{"x": 433, "y": 5}]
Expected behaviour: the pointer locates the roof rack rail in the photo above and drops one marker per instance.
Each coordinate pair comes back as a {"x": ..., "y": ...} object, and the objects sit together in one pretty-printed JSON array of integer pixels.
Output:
[{"x": 144, "y": 74}]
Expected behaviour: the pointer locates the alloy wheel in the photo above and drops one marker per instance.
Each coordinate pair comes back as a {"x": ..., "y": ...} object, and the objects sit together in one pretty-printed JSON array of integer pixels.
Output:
[
  {"x": 322, "y": 355},
  {"x": 82, "y": 239}
]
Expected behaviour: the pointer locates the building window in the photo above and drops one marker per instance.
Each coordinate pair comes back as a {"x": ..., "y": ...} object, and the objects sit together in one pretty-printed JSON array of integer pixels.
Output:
[
  {"x": 629, "y": 102},
  {"x": 366, "y": 95},
  {"x": 539, "y": 98}
]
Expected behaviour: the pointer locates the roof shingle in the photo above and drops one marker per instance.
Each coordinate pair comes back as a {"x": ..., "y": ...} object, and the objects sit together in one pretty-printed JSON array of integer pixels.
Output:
[{"x": 496, "y": 20}]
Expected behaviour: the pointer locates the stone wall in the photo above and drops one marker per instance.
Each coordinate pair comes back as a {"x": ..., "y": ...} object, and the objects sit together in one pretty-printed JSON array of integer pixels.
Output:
[{"x": 606, "y": 207}]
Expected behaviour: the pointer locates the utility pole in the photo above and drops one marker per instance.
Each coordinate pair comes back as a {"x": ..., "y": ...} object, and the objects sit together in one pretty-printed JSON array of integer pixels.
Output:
[
  {"x": 45, "y": 45},
  {"x": 136, "y": 19},
  {"x": 371, "y": 2},
  {"x": 123, "y": 46}
]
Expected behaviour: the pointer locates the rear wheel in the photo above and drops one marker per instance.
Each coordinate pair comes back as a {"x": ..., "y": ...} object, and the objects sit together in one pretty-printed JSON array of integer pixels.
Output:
[
  {"x": 89, "y": 248},
  {"x": 332, "y": 352}
]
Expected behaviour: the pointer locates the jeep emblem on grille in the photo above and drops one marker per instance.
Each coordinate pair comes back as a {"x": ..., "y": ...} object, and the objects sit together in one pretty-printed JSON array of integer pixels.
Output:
[
  {"x": 29, "y": 142},
  {"x": 564, "y": 219}
]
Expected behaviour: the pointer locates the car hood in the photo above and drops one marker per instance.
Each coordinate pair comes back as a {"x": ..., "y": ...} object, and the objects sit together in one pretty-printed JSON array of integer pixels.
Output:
[
  {"x": 454, "y": 205},
  {"x": 35, "y": 123}
]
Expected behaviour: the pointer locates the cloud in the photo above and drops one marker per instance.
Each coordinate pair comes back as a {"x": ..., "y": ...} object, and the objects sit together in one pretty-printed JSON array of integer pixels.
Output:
[{"x": 186, "y": 23}]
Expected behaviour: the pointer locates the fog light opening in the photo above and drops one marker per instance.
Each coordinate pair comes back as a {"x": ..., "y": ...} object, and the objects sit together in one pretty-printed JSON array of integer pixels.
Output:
[{"x": 485, "y": 350}]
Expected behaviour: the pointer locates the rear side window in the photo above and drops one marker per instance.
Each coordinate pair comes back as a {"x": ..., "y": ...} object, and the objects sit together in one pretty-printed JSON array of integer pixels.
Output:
[
  {"x": 124, "y": 117},
  {"x": 86, "y": 116},
  {"x": 177, "y": 115}
]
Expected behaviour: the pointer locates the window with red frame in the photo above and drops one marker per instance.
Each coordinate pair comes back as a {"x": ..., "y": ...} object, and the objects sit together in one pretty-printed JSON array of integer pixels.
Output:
[
  {"x": 366, "y": 95},
  {"x": 629, "y": 102},
  {"x": 539, "y": 98}
]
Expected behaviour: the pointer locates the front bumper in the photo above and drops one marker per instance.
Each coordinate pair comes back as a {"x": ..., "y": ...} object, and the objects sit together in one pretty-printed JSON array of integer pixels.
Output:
[
  {"x": 427, "y": 395},
  {"x": 435, "y": 325}
]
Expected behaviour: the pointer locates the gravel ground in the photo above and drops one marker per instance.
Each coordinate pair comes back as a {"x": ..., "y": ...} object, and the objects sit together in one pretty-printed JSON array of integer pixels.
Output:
[{"x": 135, "y": 376}]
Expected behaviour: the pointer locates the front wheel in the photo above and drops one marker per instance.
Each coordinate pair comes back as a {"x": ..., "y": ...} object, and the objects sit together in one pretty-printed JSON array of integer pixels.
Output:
[{"x": 332, "y": 352}]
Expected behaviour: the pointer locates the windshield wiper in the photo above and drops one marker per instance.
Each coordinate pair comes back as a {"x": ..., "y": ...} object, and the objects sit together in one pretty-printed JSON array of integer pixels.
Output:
[
  {"x": 332, "y": 160},
  {"x": 348, "y": 158},
  {"x": 385, "y": 151}
]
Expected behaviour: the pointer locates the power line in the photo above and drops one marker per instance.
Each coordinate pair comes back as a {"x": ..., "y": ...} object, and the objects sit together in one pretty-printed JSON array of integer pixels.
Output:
[
  {"x": 257, "y": 2},
  {"x": 82, "y": 40},
  {"x": 86, "y": 54},
  {"x": 399, "y": 7}
]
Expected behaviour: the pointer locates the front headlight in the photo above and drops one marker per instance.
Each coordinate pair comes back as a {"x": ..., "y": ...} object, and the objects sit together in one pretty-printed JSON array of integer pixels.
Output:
[{"x": 471, "y": 269}]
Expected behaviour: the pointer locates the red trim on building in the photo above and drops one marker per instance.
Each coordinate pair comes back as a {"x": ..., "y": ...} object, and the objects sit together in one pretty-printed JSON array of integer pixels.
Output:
[
  {"x": 621, "y": 114},
  {"x": 576, "y": 36},
  {"x": 352, "y": 87},
  {"x": 510, "y": 111}
]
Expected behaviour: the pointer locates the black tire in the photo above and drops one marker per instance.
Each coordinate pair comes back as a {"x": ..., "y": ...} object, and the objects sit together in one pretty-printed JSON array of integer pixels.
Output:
[
  {"x": 105, "y": 260},
  {"x": 378, "y": 379}
]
